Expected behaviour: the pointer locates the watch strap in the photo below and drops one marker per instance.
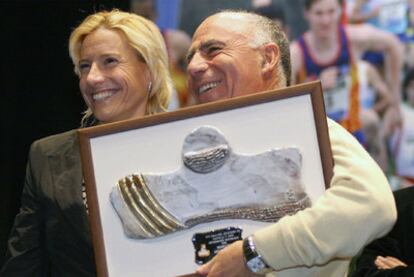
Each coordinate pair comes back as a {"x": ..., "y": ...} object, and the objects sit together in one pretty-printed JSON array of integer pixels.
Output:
[{"x": 254, "y": 261}]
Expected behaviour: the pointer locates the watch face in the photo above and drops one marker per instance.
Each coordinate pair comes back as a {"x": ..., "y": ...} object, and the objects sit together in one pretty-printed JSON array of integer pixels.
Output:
[{"x": 256, "y": 264}]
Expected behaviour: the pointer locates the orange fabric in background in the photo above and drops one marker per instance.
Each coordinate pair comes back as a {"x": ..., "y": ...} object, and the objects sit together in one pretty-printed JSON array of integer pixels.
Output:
[{"x": 344, "y": 18}]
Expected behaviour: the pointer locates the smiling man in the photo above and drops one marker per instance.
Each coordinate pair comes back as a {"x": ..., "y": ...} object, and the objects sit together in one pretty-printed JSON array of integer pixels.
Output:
[
  {"x": 217, "y": 59},
  {"x": 238, "y": 53}
]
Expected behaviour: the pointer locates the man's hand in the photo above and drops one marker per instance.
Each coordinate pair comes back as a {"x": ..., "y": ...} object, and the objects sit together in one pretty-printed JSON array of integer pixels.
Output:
[
  {"x": 227, "y": 263},
  {"x": 388, "y": 262}
]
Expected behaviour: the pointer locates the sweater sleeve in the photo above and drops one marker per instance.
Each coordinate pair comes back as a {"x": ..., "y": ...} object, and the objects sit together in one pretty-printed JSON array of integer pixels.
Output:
[{"x": 357, "y": 208}]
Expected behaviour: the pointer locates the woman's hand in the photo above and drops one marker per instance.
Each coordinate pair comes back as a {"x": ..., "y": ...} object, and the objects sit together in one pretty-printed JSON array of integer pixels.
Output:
[{"x": 388, "y": 262}]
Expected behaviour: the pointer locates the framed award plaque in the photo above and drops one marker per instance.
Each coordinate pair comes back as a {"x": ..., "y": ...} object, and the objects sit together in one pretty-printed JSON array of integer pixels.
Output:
[{"x": 167, "y": 192}]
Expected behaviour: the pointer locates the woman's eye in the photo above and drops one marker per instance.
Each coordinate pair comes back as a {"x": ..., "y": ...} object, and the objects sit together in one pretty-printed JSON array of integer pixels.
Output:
[
  {"x": 83, "y": 67},
  {"x": 110, "y": 60}
]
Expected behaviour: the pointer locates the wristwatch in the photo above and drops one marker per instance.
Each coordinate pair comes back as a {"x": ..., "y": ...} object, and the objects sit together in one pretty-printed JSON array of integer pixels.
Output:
[{"x": 254, "y": 261}]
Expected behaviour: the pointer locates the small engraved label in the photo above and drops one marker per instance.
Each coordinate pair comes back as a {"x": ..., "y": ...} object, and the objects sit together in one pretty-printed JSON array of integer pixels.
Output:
[{"x": 206, "y": 245}]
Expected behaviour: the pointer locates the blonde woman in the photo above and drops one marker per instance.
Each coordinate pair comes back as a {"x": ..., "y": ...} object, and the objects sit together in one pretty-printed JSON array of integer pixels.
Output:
[{"x": 121, "y": 61}]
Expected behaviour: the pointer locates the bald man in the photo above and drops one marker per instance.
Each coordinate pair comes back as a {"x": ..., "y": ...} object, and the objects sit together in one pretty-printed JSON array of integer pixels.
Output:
[{"x": 238, "y": 53}]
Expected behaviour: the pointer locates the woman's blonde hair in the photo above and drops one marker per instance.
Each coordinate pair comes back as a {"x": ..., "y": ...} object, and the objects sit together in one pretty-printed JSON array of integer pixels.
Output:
[{"x": 142, "y": 35}]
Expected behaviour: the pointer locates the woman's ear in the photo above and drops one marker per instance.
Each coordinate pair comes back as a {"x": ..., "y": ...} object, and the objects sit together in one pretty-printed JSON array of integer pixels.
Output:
[
  {"x": 271, "y": 56},
  {"x": 150, "y": 83}
]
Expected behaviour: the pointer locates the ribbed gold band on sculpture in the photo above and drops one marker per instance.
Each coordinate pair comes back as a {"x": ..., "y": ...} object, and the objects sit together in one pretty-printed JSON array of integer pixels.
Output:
[{"x": 154, "y": 220}]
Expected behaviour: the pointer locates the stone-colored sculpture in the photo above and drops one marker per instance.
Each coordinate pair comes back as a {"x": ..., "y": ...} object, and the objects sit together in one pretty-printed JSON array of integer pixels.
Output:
[{"x": 213, "y": 183}]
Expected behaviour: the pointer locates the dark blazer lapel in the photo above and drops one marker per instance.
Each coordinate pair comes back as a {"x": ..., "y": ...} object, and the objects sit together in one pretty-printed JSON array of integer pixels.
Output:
[{"x": 66, "y": 172}]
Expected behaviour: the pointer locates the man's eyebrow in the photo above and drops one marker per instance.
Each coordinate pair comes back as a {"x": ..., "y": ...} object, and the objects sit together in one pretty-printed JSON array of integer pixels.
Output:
[{"x": 203, "y": 47}]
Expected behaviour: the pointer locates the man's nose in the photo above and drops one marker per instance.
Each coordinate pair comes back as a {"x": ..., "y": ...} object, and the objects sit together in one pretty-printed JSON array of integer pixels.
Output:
[{"x": 197, "y": 65}]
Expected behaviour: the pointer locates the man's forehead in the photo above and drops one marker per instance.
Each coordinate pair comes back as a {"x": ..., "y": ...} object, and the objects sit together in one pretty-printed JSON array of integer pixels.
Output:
[
  {"x": 228, "y": 17},
  {"x": 222, "y": 27},
  {"x": 226, "y": 22}
]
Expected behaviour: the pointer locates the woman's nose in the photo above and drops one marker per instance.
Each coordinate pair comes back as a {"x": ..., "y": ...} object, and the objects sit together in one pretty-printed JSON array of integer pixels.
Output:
[{"x": 95, "y": 75}]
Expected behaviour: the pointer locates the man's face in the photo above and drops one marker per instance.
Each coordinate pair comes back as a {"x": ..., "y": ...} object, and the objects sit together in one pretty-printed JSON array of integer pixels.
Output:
[
  {"x": 221, "y": 62},
  {"x": 323, "y": 17}
]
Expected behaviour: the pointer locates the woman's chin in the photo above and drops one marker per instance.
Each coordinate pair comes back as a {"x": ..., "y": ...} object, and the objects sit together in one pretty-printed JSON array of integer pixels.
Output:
[{"x": 106, "y": 118}]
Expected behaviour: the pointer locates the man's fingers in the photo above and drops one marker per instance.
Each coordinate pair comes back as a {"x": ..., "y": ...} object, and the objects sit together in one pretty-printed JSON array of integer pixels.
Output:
[{"x": 204, "y": 269}]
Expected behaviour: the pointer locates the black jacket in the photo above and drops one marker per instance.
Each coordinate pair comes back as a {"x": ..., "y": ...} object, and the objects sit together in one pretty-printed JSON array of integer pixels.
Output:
[
  {"x": 50, "y": 236},
  {"x": 399, "y": 243}
]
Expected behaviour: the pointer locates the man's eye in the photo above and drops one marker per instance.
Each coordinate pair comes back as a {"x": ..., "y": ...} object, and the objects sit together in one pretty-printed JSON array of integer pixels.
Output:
[{"x": 213, "y": 49}]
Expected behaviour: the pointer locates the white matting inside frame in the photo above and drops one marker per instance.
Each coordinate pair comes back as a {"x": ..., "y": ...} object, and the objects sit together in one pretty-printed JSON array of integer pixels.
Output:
[{"x": 249, "y": 130}]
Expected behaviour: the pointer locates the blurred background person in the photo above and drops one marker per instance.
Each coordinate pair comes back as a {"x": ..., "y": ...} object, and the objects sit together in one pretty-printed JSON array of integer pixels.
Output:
[
  {"x": 177, "y": 42},
  {"x": 389, "y": 15},
  {"x": 121, "y": 61},
  {"x": 375, "y": 103},
  {"x": 329, "y": 51},
  {"x": 393, "y": 16},
  {"x": 401, "y": 142},
  {"x": 273, "y": 11},
  {"x": 362, "y": 11}
]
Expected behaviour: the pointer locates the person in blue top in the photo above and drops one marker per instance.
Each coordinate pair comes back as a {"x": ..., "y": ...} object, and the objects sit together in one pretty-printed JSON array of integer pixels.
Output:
[{"x": 329, "y": 51}]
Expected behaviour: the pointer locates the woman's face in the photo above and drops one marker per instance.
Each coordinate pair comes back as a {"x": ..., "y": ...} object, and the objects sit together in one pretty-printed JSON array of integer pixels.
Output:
[{"x": 114, "y": 80}]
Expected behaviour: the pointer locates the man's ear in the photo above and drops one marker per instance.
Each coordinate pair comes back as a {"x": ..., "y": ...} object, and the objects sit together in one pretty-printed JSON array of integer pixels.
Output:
[{"x": 271, "y": 56}]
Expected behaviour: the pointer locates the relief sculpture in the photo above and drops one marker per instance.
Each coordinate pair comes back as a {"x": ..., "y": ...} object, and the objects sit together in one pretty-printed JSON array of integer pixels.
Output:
[{"x": 213, "y": 183}]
